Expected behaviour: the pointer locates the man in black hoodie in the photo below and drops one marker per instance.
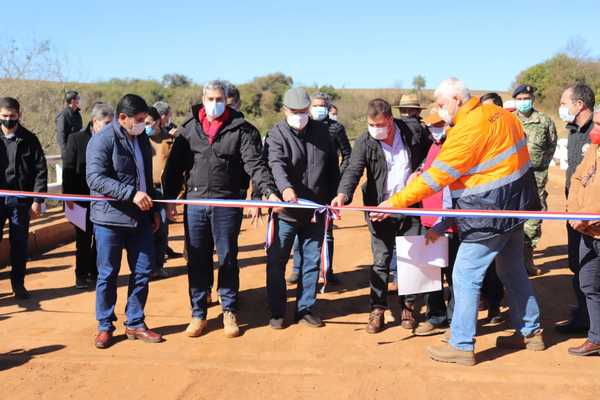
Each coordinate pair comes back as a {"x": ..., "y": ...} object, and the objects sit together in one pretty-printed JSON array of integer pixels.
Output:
[
  {"x": 209, "y": 155},
  {"x": 74, "y": 182},
  {"x": 23, "y": 167},
  {"x": 304, "y": 163},
  {"x": 69, "y": 120}
]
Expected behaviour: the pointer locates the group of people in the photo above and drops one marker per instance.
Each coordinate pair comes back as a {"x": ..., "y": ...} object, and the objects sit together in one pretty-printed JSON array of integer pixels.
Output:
[{"x": 468, "y": 153}]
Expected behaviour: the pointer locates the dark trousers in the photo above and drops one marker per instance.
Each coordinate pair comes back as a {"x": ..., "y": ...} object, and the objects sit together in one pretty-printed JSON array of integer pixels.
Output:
[
  {"x": 589, "y": 280},
  {"x": 383, "y": 242},
  {"x": 161, "y": 238},
  {"x": 17, "y": 214},
  {"x": 205, "y": 229},
  {"x": 574, "y": 239},
  {"x": 111, "y": 242},
  {"x": 85, "y": 253}
]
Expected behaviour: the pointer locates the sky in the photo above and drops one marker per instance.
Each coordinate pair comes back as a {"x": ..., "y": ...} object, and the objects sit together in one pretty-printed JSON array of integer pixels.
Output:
[{"x": 352, "y": 44}]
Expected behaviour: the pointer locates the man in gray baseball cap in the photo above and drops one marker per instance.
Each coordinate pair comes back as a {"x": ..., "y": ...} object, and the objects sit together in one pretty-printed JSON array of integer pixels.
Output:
[{"x": 304, "y": 164}]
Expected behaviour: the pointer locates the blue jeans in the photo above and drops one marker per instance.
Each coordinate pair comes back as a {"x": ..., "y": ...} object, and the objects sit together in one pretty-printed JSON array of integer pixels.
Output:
[
  {"x": 17, "y": 214},
  {"x": 472, "y": 261},
  {"x": 310, "y": 239},
  {"x": 110, "y": 242},
  {"x": 205, "y": 229},
  {"x": 298, "y": 252}
]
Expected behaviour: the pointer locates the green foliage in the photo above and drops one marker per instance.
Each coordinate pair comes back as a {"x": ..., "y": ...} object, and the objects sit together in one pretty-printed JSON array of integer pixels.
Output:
[
  {"x": 176, "y": 80},
  {"x": 331, "y": 91},
  {"x": 554, "y": 75},
  {"x": 419, "y": 83}
]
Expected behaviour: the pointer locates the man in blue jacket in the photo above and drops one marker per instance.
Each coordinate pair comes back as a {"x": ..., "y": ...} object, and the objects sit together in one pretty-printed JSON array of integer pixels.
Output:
[{"x": 119, "y": 165}]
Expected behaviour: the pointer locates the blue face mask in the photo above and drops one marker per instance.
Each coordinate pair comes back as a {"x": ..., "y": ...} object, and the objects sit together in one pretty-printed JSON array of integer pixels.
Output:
[
  {"x": 319, "y": 113},
  {"x": 149, "y": 130},
  {"x": 524, "y": 106}
]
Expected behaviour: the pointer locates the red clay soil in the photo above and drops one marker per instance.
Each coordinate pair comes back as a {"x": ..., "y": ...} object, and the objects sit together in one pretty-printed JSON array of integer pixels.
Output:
[{"x": 46, "y": 344}]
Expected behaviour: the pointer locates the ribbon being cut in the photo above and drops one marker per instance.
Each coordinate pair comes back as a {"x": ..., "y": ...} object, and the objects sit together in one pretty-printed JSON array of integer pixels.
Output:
[{"x": 330, "y": 213}]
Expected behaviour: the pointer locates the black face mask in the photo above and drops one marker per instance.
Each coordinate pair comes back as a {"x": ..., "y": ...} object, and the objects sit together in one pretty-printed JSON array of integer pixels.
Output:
[{"x": 9, "y": 123}]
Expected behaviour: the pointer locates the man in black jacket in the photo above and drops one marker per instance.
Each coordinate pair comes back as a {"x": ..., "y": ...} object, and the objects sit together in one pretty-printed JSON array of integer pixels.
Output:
[
  {"x": 69, "y": 120},
  {"x": 209, "y": 155},
  {"x": 74, "y": 182},
  {"x": 23, "y": 167},
  {"x": 304, "y": 163},
  {"x": 576, "y": 109},
  {"x": 319, "y": 111},
  {"x": 390, "y": 153}
]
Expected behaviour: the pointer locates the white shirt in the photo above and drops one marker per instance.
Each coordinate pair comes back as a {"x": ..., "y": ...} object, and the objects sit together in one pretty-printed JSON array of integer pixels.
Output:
[{"x": 398, "y": 165}]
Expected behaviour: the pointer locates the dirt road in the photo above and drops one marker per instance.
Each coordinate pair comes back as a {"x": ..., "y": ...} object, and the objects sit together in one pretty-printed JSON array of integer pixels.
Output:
[{"x": 46, "y": 344}]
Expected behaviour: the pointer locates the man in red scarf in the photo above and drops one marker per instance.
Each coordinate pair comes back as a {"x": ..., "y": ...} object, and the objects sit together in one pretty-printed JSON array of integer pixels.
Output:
[{"x": 211, "y": 155}]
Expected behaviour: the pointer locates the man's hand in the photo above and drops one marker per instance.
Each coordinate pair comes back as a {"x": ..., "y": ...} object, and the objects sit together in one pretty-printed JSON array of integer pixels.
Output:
[
  {"x": 579, "y": 225},
  {"x": 380, "y": 216},
  {"x": 143, "y": 201},
  {"x": 173, "y": 132},
  {"x": 289, "y": 195},
  {"x": 274, "y": 197},
  {"x": 414, "y": 176},
  {"x": 431, "y": 236},
  {"x": 155, "y": 222},
  {"x": 171, "y": 210},
  {"x": 36, "y": 210},
  {"x": 69, "y": 204},
  {"x": 339, "y": 200},
  {"x": 256, "y": 216}
]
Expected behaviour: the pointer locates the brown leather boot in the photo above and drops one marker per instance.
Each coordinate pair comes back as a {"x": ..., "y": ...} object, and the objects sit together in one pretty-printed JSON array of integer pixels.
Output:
[
  {"x": 533, "y": 342},
  {"x": 586, "y": 349},
  {"x": 376, "y": 321},
  {"x": 103, "y": 339},
  {"x": 408, "y": 320},
  {"x": 144, "y": 334},
  {"x": 449, "y": 354}
]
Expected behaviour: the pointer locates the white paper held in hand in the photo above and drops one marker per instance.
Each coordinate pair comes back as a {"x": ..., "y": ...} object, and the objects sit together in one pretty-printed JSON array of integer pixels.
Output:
[
  {"x": 77, "y": 215},
  {"x": 419, "y": 264}
]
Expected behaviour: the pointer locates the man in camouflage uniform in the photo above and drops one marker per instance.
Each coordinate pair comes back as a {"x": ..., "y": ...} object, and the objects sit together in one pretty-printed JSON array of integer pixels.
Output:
[{"x": 541, "y": 143}]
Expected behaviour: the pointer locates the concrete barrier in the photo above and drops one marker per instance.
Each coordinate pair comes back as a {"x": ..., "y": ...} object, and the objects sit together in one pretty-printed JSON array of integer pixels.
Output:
[{"x": 43, "y": 237}]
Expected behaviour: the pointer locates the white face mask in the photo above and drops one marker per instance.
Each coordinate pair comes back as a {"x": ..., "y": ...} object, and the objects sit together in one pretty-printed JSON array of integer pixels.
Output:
[
  {"x": 318, "y": 113},
  {"x": 297, "y": 121},
  {"x": 445, "y": 115},
  {"x": 9, "y": 135},
  {"x": 333, "y": 117},
  {"x": 438, "y": 132},
  {"x": 138, "y": 128},
  {"x": 566, "y": 115},
  {"x": 378, "y": 133}
]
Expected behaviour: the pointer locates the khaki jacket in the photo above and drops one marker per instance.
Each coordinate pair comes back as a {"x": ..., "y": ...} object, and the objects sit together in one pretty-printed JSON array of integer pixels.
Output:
[
  {"x": 585, "y": 189},
  {"x": 161, "y": 147}
]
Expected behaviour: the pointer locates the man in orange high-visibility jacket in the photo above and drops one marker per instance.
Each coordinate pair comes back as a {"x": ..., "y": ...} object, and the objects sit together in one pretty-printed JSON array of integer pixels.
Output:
[{"x": 486, "y": 164}]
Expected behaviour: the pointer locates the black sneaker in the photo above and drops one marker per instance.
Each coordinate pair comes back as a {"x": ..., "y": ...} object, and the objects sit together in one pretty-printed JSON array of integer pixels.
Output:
[
  {"x": 293, "y": 278},
  {"x": 494, "y": 316},
  {"x": 21, "y": 293},
  {"x": 276, "y": 322},
  {"x": 170, "y": 253},
  {"x": 571, "y": 327},
  {"x": 81, "y": 283},
  {"x": 311, "y": 320}
]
